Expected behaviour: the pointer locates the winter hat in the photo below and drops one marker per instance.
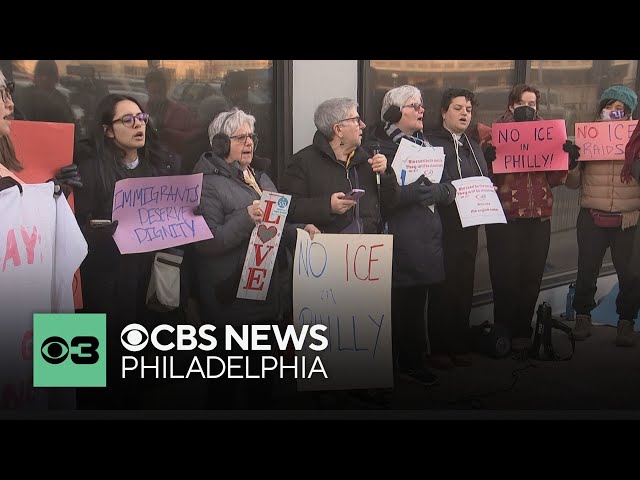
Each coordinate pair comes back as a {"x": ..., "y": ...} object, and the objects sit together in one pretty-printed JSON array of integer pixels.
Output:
[{"x": 622, "y": 93}]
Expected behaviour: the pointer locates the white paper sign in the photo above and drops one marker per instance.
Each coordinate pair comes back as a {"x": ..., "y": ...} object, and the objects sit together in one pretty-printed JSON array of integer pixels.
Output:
[
  {"x": 41, "y": 247},
  {"x": 412, "y": 160},
  {"x": 344, "y": 282},
  {"x": 263, "y": 247},
  {"x": 478, "y": 202}
]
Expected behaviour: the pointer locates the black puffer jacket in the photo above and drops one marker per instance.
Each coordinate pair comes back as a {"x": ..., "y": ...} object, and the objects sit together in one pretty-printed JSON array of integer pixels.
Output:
[
  {"x": 416, "y": 230},
  {"x": 314, "y": 174}
]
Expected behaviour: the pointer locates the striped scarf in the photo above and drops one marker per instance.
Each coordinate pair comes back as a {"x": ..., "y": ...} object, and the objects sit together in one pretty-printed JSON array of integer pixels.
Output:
[{"x": 396, "y": 135}]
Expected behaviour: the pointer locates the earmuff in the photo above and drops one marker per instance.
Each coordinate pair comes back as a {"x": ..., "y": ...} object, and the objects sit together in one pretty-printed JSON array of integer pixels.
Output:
[
  {"x": 393, "y": 114},
  {"x": 221, "y": 143}
]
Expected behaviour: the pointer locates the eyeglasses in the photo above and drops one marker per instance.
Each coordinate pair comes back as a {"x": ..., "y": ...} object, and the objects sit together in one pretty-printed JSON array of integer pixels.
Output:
[
  {"x": 243, "y": 138},
  {"x": 5, "y": 92},
  {"x": 415, "y": 106},
  {"x": 357, "y": 119},
  {"x": 129, "y": 120}
]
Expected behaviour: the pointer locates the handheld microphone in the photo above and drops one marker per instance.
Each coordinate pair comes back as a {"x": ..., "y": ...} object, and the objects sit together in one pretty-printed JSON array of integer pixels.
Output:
[{"x": 375, "y": 147}]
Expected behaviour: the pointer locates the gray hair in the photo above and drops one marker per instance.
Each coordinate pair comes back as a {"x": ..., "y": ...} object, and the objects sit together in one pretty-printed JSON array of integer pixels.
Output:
[
  {"x": 330, "y": 112},
  {"x": 3, "y": 80},
  {"x": 229, "y": 122},
  {"x": 398, "y": 96}
]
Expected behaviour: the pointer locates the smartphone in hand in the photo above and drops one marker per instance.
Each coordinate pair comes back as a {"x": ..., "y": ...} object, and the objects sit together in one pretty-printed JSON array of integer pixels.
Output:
[
  {"x": 354, "y": 194},
  {"x": 100, "y": 223}
]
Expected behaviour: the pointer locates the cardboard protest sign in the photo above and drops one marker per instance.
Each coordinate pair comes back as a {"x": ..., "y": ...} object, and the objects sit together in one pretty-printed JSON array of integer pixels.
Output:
[{"x": 344, "y": 282}]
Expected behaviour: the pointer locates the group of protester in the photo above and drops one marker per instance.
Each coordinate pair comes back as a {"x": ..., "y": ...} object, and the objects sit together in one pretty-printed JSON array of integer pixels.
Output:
[{"x": 433, "y": 255}]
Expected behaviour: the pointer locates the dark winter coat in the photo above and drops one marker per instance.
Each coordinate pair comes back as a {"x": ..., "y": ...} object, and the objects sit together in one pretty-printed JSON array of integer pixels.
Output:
[
  {"x": 314, "y": 174},
  {"x": 416, "y": 230},
  {"x": 112, "y": 283},
  {"x": 224, "y": 202}
]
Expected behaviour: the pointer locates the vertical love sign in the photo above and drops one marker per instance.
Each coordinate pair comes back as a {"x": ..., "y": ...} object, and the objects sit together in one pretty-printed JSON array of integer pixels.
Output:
[{"x": 263, "y": 247}]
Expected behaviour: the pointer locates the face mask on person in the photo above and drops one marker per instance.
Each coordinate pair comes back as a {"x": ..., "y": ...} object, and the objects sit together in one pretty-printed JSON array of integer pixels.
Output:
[
  {"x": 611, "y": 114},
  {"x": 524, "y": 113}
]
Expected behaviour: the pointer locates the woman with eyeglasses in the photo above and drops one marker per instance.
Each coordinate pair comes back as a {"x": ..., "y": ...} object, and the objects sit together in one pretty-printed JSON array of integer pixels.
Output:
[
  {"x": 119, "y": 146},
  {"x": 68, "y": 176},
  {"x": 320, "y": 176},
  {"x": 231, "y": 190},
  {"x": 417, "y": 243}
]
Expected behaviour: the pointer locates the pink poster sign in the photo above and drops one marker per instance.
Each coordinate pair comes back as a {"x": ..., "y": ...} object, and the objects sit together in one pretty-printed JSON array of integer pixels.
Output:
[
  {"x": 154, "y": 213},
  {"x": 603, "y": 140},
  {"x": 529, "y": 146}
]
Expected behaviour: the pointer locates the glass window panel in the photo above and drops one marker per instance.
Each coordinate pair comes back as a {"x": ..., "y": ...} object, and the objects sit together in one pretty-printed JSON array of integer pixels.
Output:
[
  {"x": 491, "y": 81},
  {"x": 570, "y": 90},
  {"x": 196, "y": 91}
]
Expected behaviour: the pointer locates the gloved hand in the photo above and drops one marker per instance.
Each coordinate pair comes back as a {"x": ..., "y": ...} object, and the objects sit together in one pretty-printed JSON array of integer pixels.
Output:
[
  {"x": 197, "y": 210},
  {"x": 424, "y": 192},
  {"x": 69, "y": 176},
  {"x": 574, "y": 153},
  {"x": 437, "y": 193},
  {"x": 490, "y": 154},
  {"x": 100, "y": 234}
]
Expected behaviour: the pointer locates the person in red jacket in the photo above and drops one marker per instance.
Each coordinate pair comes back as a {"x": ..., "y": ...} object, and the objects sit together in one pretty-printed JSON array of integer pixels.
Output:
[{"x": 518, "y": 249}]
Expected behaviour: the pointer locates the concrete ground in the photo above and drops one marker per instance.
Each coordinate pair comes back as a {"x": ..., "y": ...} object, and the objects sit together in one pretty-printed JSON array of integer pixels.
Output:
[{"x": 599, "y": 377}]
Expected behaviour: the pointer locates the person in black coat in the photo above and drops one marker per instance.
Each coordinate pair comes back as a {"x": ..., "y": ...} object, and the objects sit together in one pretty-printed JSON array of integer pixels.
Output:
[
  {"x": 320, "y": 175},
  {"x": 417, "y": 241},
  {"x": 120, "y": 146},
  {"x": 450, "y": 301}
]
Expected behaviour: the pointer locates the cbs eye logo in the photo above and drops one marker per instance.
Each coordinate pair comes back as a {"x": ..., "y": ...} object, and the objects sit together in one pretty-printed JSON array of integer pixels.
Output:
[
  {"x": 55, "y": 350},
  {"x": 69, "y": 350},
  {"x": 134, "y": 337}
]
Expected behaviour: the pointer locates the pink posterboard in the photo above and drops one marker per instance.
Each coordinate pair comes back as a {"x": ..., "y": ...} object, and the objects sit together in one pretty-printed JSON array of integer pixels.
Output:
[
  {"x": 155, "y": 213},
  {"x": 603, "y": 140},
  {"x": 43, "y": 148},
  {"x": 529, "y": 146}
]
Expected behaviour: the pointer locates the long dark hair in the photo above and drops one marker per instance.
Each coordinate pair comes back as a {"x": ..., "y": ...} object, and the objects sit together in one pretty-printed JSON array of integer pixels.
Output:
[
  {"x": 8, "y": 155},
  {"x": 110, "y": 155}
]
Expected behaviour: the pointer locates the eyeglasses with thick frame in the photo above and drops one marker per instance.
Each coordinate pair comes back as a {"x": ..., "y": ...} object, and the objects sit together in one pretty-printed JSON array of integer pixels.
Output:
[
  {"x": 6, "y": 91},
  {"x": 357, "y": 119},
  {"x": 243, "y": 138},
  {"x": 416, "y": 106},
  {"x": 129, "y": 120}
]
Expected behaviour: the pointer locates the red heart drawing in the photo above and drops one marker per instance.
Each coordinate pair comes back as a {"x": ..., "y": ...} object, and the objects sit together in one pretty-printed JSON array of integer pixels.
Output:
[{"x": 266, "y": 233}]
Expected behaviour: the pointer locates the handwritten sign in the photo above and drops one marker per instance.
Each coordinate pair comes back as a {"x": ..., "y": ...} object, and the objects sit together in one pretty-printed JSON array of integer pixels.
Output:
[
  {"x": 603, "y": 140},
  {"x": 43, "y": 158},
  {"x": 154, "y": 213},
  {"x": 263, "y": 247},
  {"x": 529, "y": 146},
  {"x": 344, "y": 283},
  {"x": 477, "y": 202},
  {"x": 40, "y": 247}
]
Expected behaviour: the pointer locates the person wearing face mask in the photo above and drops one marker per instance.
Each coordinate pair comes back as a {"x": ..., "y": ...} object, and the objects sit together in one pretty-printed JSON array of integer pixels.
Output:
[
  {"x": 518, "y": 249},
  {"x": 450, "y": 300},
  {"x": 417, "y": 231},
  {"x": 609, "y": 209}
]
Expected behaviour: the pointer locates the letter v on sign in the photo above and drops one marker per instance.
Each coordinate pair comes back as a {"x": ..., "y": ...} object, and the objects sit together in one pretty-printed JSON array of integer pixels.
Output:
[{"x": 259, "y": 256}]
